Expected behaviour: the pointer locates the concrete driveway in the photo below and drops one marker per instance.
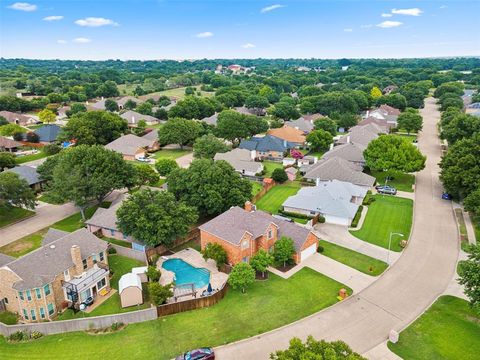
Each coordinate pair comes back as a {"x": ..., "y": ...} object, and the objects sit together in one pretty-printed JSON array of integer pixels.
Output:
[
  {"x": 403, "y": 292},
  {"x": 185, "y": 160}
]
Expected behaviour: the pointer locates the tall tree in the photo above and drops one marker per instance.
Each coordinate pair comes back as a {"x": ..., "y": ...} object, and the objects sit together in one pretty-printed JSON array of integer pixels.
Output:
[
  {"x": 410, "y": 121},
  {"x": 155, "y": 217},
  {"x": 261, "y": 261},
  {"x": 241, "y": 276},
  {"x": 284, "y": 250},
  {"x": 47, "y": 116},
  {"x": 15, "y": 191},
  {"x": 319, "y": 140},
  {"x": 207, "y": 146},
  {"x": 84, "y": 174},
  {"x": 326, "y": 124},
  {"x": 111, "y": 105},
  {"x": 145, "y": 175},
  {"x": 179, "y": 131},
  {"x": 212, "y": 187},
  {"x": 469, "y": 271},
  {"x": 7, "y": 160},
  {"x": 461, "y": 126}
]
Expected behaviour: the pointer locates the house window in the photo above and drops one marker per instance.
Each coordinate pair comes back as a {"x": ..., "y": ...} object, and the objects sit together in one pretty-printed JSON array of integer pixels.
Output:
[
  {"x": 42, "y": 313},
  {"x": 66, "y": 274},
  {"x": 20, "y": 294},
  {"x": 101, "y": 284},
  {"x": 46, "y": 289},
  {"x": 94, "y": 258},
  {"x": 5, "y": 300},
  {"x": 51, "y": 309},
  {"x": 270, "y": 249},
  {"x": 246, "y": 259},
  {"x": 29, "y": 295},
  {"x": 34, "y": 315},
  {"x": 38, "y": 292},
  {"x": 101, "y": 256},
  {"x": 112, "y": 232},
  {"x": 25, "y": 314},
  {"x": 84, "y": 262},
  {"x": 270, "y": 234}
]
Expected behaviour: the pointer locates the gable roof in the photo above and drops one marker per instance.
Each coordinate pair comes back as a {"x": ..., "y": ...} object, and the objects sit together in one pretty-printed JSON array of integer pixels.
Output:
[
  {"x": 211, "y": 120},
  {"x": 289, "y": 134},
  {"x": 129, "y": 280},
  {"x": 360, "y": 136},
  {"x": 301, "y": 124},
  {"x": 123, "y": 100},
  {"x": 329, "y": 198},
  {"x": 134, "y": 117},
  {"x": 312, "y": 117},
  {"x": 5, "y": 259},
  {"x": 99, "y": 105},
  {"x": 372, "y": 127},
  {"x": 41, "y": 266},
  {"x": 151, "y": 136},
  {"x": 337, "y": 168},
  {"x": 48, "y": 133},
  {"x": 241, "y": 160},
  {"x": 350, "y": 152},
  {"x": 128, "y": 144},
  {"x": 266, "y": 143},
  {"x": 28, "y": 173},
  {"x": 14, "y": 118},
  {"x": 105, "y": 218},
  {"x": 389, "y": 110},
  {"x": 233, "y": 223},
  {"x": 8, "y": 143},
  {"x": 381, "y": 123},
  {"x": 53, "y": 235}
]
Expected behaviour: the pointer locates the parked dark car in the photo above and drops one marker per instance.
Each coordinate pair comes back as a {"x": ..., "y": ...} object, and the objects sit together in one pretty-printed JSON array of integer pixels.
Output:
[
  {"x": 446, "y": 196},
  {"x": 385, "y": 189},
  {"x": 197, "y": 354}
]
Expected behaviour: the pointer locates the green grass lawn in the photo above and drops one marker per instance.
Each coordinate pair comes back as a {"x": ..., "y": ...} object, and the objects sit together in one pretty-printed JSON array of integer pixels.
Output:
[
  {"x": 169, "y": 153},
  {"x": 118, "y": 242},
  {"x": 265, "y": 306},
  {"x": 11, "y": 215},
  {"x": 269, "y": 166},
  {"x": 448, "y": 330},
  {"x": 318, "y": 154},
  {"x": 273, "y": 199},
  {"x": 410, "y": 137},
  {"x": 256, "y": 187},
  {"x": 27, "y": 158},
  {"x": 402, "y": 182},
  {"x": 33, "y": 241},
  {"x": 363, "y": 263},
  {"x": 8, "y": 318},
  {"x": 180, "y": 92},
  {"x": 120, "y": 265},
  {"x": 385, "y": 215},
  {"x": 45, "y": 197}
]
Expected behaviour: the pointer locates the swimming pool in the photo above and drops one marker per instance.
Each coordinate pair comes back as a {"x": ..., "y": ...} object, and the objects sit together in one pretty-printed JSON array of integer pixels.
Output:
[{"x": 186, "y": 273}]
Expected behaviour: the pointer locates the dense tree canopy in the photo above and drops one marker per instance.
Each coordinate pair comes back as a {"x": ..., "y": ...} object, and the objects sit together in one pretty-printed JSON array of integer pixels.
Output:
[
  {"x": 410, "y": 120},
  {"x": 15, "y": 191},
  {"x": 207, "y": 146},
  {"x": 319, "y": 140},
  {"x": 212, "y": 187},
  {"x": 233, "y": 126},
  {"x": 179, "y": 131}
]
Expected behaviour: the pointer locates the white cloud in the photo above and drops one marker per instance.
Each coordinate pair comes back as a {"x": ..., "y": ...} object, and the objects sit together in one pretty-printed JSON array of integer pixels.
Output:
[
  {"x": 203, "y": 35},
  {"x": 389, "y": 24},
  {"x": 348, "y": 30},
  {"x": 61, "y": 41},
  {"x": 23, "y": 6},
  {"x": 95, "y": 22},
  {"x": 410, "y": 12},
  {"x": 248, "y": 46},
  {"x": 82, "y": 40},
  {"x": 443, "y": 7},
  {"x": 386, "y": 15},
  {"x": 53, "y": 18},
  {"x": 271, "y": 8},
  {"x": 366, "y": 26}
]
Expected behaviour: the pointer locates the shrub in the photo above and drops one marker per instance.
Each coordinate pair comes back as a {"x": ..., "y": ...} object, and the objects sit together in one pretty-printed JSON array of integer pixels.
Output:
[
  {"x": 356, "y": 219},
  {"x": 51, "y": 149},
  {"x": 216, "y": 252},
  {"x": 18, "y": 136},
  {"x": 321, "y": 219},
  {"x": 279, "y": 175},
  {"x": 116, "y": 326},
  {"x": 18, "y": 336},
  {"x": 369, "y": 199},
  {"x": 158, "y": 293},
  {"x": 36, "y": 335},
  {"x": 320, "y": 249},
  {"x": 165, "y": 166},
  {"x": 32, "y": 137},
  {"x": 153, "y": 273},
  {"x": 112, "y": 250},
  {"x": 295, "y": 215}
]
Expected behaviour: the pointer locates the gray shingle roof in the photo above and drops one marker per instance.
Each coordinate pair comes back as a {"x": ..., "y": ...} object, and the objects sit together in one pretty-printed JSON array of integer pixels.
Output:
[
  {"x": 337, "y": 168},
  {"x": 349, "y": 151},
  {"x": 301, "y": 124},
  {"x": 5, "y": 259},
  {"x": 128, "y": 144},
  {"x": 8, "y": 143},
  {"x": 134, "y": 117},
  {"x": 233, "y": 223},
  {"x": 241, "y": 160},
  {"x": 152, "y": 135},
  {"x": 211, "y": 120},
  {"x": 105, "y": 218},
  {"x": 360, "y": 136},
  {"x": 41, "y": 266},
  {"x": 266, "y": 143},
  {"x": 53, "y": 235},
  {"x": 48, "y": 133},
  {"x": 329, "y": 198},
  {"x": 27, "y": 173}
]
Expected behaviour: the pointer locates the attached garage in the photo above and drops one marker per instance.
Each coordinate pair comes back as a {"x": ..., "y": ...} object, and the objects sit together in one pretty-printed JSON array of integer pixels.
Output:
[
  {"x": 312, "y": 249},
  {"x": 330, "y": 219}
]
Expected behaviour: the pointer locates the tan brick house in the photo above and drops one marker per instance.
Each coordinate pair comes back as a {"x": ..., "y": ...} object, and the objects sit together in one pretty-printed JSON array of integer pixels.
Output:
[
  {"x": 68, "y": 268},
  {"x": 243, "y": 232}
]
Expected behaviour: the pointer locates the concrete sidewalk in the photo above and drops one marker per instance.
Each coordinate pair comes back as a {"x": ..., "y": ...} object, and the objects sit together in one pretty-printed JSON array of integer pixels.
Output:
[
  {"x": 353, "y": 278},
  {"x": 339, "y": 235}
]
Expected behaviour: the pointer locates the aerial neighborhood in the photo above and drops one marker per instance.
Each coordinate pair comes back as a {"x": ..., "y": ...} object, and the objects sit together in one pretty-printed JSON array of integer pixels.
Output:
[{"x": 173, "y": 208}]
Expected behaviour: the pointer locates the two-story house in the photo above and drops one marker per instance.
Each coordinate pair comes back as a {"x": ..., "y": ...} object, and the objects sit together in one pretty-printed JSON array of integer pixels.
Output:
[
  {"x": 267, "y": 147},
  {"x": 243, "y": 232},
  {"x": 66, "y": 270}
]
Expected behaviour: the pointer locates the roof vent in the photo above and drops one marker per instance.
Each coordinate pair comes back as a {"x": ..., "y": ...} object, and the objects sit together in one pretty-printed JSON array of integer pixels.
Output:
[{"x": 52, "y": 246}]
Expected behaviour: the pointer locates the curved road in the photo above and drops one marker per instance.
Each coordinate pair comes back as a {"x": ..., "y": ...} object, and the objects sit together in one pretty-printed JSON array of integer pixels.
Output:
[{"x": 403, "y": 293}]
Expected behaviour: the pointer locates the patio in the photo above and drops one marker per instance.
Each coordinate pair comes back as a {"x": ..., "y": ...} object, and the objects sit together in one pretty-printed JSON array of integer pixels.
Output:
[{"x": 195, "y": 259}]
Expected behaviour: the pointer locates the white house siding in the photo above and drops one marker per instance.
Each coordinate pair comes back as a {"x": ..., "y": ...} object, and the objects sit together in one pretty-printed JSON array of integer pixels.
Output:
[
  {"x": 337, "y": 220},
  {"x": 298, "y": 211}
]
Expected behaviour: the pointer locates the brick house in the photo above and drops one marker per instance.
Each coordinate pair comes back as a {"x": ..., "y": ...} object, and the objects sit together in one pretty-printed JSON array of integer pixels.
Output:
[
  {"x": 267, "y": 147},
  {"x": 243, "y": 232},
  {"x": 68, "y": 268},
  {"x": 132, "y": 146}
]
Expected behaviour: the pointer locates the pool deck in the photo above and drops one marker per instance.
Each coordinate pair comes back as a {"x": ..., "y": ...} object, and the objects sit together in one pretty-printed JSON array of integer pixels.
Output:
[{"x": 194, "y": 258}]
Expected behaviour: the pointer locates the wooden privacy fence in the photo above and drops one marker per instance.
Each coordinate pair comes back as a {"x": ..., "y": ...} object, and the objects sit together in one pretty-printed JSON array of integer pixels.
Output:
[
  {"x": 193, "y": 234},
  {"x": 266, "y": 188},
  {"x": 192, "y": 304}
]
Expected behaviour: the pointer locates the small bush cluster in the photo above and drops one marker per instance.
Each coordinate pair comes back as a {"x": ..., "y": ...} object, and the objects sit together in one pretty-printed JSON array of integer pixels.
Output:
[
  {"x": 116, "y": 326},
  {"x": 356, "y": 219},
  {"x": 368, "y": 199},
  {"x": 112, "y": 250},
  {"x": 321, "y": 219},
  {"x": 295, "y": 215},
  {"x": 19, "y": 336}
]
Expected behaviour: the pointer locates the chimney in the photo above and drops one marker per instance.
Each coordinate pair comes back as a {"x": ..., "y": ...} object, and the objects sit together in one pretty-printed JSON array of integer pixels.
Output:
[
  {"x": 133, "y": 119},
  {"x": 368, "y": 113},
  {"x": 103, "y": 98},
  {"x": 249, "y": 206},
  {"x": 76, "y": 258}
]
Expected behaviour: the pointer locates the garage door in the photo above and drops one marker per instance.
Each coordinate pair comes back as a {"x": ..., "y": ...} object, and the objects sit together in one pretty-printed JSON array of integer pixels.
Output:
[{"x": 308, "y": 252}]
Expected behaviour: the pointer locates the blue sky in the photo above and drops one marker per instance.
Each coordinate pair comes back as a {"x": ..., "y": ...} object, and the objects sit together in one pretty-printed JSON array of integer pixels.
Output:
[{"x": 176, "y": 29}]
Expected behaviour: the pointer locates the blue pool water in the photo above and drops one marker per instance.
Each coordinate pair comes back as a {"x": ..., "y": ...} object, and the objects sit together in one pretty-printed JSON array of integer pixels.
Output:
[{"x": 186, "y": 273}]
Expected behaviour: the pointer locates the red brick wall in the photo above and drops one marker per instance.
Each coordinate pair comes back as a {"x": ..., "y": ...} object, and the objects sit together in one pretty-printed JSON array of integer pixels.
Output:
[{"x": 311, "y": 239}]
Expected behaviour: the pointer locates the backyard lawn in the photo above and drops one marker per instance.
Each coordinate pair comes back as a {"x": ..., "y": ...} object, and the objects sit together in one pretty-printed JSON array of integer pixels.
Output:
[
  {"x": 273, "y": 199},
  {"x": 402, "y": 182},
  {"x": 256, "y": 187},
  {"x": 33, "y": 241},
  {"x": 385, "y": 215},
  {"x": 119, "y": 265},
  {"x": 269, "y": 166},
  {"x": 410, "y": 137},
  {"x": 180, "y": 92},
  {"x": 8, "y": 318},
  {"x": 169, "y": 153},
  {"x": 11, "y": 215},
  {"x": 363, "y": 263},
  {"x": 265, "y": 306},
  {"x": 27, "y": 158},
  {"x": 448, "y": 330}
]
